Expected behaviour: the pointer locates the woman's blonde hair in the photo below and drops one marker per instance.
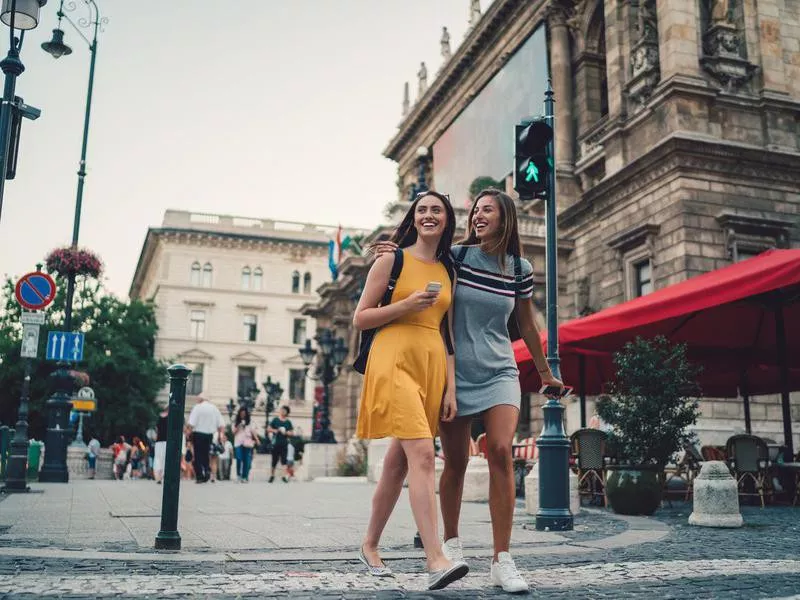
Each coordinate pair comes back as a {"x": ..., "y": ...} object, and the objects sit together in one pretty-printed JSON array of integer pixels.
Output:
[{"x": 508, "y": 241}]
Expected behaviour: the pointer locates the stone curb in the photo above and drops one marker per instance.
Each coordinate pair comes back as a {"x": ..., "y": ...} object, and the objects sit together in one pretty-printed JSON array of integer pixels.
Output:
[{"x": 641, "y": 530}]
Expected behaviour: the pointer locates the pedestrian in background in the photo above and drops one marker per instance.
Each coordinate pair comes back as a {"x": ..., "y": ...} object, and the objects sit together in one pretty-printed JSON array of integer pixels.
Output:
[
  {"x": 244, "y": 440},
  {"x": 160, "y": 447},
  {"x": 281, "y": 429},
  {"x": 91, "y": 456},
  {"x": 204, "y": 420},
  {"x": 225, "y": 457},
  {"x": 409, "y": 382}
]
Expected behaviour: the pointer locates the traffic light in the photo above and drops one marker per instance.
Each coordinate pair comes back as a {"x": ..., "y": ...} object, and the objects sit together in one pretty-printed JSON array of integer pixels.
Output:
[{"x": 532, "y": 162}]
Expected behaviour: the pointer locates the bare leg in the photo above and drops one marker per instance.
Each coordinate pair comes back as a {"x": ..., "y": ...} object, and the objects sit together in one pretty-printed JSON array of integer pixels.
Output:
[
  {"x": 395, "y": 468},
  {"x": 455, "y": 437},
  {"x": 501, "y": 423},
  {"x": 420, "y": 457}
]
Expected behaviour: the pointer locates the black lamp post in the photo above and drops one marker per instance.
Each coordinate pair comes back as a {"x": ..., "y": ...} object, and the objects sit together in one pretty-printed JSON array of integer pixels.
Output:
[
  {"x": 274, "y": 392},
  {"x": 55, "y": 464},
  {"x": 421, "y": 185},
  {"x": 231, "y": 406},
  {"x": 22, "y": 15},
  {"x": 333, "y": 353}
]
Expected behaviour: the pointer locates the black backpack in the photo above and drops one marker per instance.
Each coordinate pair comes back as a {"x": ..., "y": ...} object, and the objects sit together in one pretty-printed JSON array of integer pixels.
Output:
[{"x": 368, "y": 335}]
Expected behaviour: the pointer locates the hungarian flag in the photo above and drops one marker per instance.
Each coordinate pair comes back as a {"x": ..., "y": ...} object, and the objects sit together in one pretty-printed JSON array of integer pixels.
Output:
[{"x": 336, "y": 250}]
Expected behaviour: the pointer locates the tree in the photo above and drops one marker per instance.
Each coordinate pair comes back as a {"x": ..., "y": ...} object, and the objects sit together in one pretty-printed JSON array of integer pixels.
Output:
[
  {"x": 482, "y": 183},
  {"x": 118, "y": 359},
  {"x": 653, "y": 401}
]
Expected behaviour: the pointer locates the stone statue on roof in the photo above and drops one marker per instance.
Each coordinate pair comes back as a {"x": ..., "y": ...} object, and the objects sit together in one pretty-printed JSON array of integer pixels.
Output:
[
  {"x": 445, "y": 43},
  {"x": 422, "y": 76}
]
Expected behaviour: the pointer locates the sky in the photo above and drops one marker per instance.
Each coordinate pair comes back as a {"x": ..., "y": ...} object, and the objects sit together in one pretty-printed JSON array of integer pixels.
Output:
[{"x": 269, "y": 109}]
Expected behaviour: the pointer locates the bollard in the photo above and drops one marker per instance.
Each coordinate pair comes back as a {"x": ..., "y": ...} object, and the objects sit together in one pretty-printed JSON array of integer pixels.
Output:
[{"x": 168, "y": 537}]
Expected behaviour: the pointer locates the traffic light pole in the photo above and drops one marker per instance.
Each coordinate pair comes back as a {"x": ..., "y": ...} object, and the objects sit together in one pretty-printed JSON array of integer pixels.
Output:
[{"x": 553, "y": 513}]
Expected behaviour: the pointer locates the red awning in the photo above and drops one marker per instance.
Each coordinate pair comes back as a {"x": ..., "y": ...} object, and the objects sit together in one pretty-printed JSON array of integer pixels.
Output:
[{"x": 727, "y": 317}]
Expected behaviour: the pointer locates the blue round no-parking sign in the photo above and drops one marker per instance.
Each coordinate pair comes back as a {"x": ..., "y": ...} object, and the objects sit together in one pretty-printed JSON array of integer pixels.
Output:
[{"x": 35, "y": 291}]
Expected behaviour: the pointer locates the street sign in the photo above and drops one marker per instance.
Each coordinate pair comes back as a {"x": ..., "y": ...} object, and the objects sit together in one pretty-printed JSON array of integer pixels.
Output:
[
  {"x": 84, "y": 400},
  {"x": 30, "y": 341},
  {"x": 35, "y": 291},
  {"x": 64, "y": 345},
  {"x": 32, "y": 318}
]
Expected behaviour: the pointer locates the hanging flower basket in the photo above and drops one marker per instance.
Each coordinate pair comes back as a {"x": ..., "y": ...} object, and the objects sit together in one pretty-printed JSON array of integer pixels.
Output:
[{"x": 66, "y": 261}]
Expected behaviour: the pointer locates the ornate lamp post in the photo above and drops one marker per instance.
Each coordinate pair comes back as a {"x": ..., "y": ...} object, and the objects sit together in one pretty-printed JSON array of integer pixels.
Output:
[
  {"x": 22, "y": 15},
  {"x": 274, "y": 392},
  {"x": 420, "y": 186},
  {"x": 55, "y": 466},
  {"x": 333, "y": 353},
  {"x": 231, "y": 406}
]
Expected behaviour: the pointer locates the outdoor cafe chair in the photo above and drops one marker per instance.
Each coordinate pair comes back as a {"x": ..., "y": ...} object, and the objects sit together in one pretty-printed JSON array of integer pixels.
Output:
[
  {"x": 589, "y": 448},
  {"x": 748, "y": 459},
  {"x": 686, "y": 469}
]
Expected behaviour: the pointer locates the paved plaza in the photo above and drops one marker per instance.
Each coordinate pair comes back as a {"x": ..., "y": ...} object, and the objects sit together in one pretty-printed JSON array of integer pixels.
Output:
[{"x": 94, "y": 539}]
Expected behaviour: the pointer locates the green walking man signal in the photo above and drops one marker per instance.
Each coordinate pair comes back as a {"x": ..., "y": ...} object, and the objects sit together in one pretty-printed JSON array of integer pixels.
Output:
[{"x": 532, "y": 163}]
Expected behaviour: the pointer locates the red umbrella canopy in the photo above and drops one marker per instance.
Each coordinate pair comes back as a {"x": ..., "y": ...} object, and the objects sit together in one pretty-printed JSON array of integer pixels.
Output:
[{"x": 728, "y": 318}]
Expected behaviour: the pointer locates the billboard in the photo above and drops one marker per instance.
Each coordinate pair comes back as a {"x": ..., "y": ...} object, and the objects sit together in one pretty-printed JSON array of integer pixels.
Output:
[{"x": 480, "y": 141}]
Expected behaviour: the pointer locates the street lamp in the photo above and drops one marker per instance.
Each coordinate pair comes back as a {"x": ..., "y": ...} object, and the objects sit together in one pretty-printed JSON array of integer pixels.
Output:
[
  {"x": 231, "y": 406},
  {"x": 274, "y": 392},
  {"x": 420, "y": 186},
  {"x": 333, "y": 353},
  {"x": 22, "y": 15},
  {"x": 55, "y": 464}
]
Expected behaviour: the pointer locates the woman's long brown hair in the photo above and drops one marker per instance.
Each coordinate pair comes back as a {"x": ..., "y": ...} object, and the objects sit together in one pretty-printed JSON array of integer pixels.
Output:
[
  {"x": 508, "y": 241},
  {"x": 406, "y": 234}
]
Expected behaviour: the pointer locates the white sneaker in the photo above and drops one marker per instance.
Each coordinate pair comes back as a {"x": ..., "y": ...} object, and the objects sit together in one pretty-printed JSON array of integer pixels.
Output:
[
  {"x": 452, "y": 550},
  {"x": 504, "y": 574}
]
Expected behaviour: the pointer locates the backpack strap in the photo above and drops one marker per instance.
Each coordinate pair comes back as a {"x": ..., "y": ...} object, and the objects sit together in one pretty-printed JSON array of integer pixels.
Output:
[
  {"x": 451, "y": 272},
  {"x": 397, "y": 267},
  {"x": 459, "y": 260},
  {"x": 517, "y": 276}
]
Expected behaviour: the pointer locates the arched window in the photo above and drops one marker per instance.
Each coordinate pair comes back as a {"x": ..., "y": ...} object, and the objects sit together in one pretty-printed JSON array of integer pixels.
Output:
[
  {"x": 307, "y": 283},
  {"x": 295, "y": 282},
  {"x": 207, "y": 271},
  {"x": 258, "y": 277},
  {"x": 194, "y": 278},
  {"x": 246, "y": 278}
]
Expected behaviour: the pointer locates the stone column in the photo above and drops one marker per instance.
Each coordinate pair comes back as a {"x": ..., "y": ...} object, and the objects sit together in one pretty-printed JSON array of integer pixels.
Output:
[
  {"x": 765, "y": 47},
  {"x": 561, "y": 70},
  {"x": 679, "y": 45}
]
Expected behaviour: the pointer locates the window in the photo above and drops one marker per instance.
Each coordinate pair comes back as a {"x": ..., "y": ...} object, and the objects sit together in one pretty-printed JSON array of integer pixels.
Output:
[
  {"x": 194, "y": 387},
  {"x": 643, "y": 278},
  {"x": 246, "y": 383},
  {"x": 295, "y": 282},
  {"x": 207, "y": 270},
  {"x": 194, "y": 280},
  {"x": 297, "y": 384},
  {"x": 246, "y": 278},
  {"x": 250, "y": 328},
  {"x": 299, "y": 334},
  {"x": 197, "y": 324},
  {"x": 258, "y": 277},
  {"x": 307, "y": 283}
]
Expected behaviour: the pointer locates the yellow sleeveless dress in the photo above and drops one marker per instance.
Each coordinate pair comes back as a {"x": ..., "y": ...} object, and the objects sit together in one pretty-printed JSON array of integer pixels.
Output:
[{"x": 406, "y": 371}]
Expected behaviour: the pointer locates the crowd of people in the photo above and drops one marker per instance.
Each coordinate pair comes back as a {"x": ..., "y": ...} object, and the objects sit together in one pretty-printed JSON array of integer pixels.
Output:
[{"x": 208, "y": 450}]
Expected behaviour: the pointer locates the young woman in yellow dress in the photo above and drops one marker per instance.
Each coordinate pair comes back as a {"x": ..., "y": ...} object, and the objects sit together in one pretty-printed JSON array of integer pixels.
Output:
[{"x": 409, "y": 382}]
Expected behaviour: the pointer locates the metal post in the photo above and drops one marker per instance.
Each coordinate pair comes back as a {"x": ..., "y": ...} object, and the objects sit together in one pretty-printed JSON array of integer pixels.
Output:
[
  {"x": 168, "y": 537},
  {"x": 744, "y": 389},
  {"x": 325, "y": 434},
  {"x": 783, "y": 358},
  {"x": 58, "y": 407},
  {"x": 12, "y": 68},
  {"x": 582, "y": 366},
  {"x": 16, "y": 480},
  {"x": 78, "y": 441},
  {"x": 553, "y": 513},
  {"x": 52, "y": 440}
]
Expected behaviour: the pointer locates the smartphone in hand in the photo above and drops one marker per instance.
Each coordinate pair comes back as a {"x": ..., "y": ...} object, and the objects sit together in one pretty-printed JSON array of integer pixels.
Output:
[
  {"x": 433, "y": 286},
  {"x": 551, "y": 390}
]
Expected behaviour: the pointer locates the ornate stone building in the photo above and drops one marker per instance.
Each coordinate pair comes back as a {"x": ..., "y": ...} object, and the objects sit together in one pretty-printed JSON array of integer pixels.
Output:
[
  {"x": 228, "y": 292},
  {"x": 677, "y": 146}
]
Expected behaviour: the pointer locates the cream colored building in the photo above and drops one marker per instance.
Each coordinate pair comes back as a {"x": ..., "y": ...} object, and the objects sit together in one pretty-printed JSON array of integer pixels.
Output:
[{"x": 228, "y": 292}]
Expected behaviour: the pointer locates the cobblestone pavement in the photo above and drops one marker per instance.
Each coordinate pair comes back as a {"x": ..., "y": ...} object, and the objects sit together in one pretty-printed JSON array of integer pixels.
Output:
[{"x": 605, "y": 557}]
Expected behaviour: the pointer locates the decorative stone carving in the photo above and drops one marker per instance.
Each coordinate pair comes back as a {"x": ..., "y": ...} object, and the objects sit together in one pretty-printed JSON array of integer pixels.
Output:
[
  {"x": 716, "y": 497},
  {"x": 645, "y": 68},
  {"x": 445, "y": 44},
  {"x": 725, "y": 54},
  {"x": 474, "y": 12},
  {"x": 422, "y": 77},
  {"x": 406, "y": 100}
]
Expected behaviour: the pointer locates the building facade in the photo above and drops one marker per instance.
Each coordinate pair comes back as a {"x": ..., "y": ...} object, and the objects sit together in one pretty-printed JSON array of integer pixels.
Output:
[
  {"x": 228, "y": 292},
  {"x": 677, "y": 142}
]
